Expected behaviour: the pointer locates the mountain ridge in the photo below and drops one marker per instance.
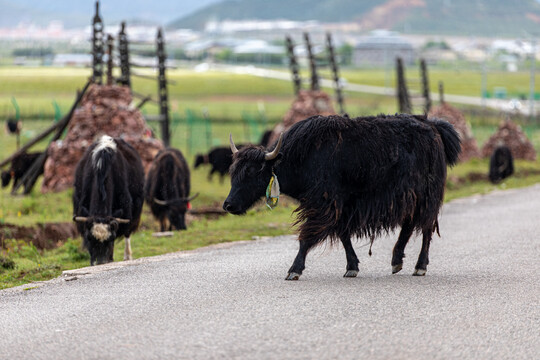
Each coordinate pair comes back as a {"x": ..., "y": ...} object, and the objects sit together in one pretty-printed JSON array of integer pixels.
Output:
[{"x": 445, "y": 17}]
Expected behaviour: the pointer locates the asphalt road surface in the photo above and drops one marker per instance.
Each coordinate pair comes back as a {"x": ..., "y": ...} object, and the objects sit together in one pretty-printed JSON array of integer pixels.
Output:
[{"x": 480, "y": 299}]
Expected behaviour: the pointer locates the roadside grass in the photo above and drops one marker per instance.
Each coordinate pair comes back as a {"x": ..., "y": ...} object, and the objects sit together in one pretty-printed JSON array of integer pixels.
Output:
[{"x": 29, "y": 264}]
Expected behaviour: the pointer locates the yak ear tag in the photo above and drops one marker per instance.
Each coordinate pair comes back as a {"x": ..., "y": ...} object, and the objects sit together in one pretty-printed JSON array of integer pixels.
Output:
[{"x": 272, "y": 192}]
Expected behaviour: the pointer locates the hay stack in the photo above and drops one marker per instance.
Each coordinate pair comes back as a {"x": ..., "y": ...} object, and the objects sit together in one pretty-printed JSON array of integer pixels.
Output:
[
  {"x": 469, "y": 147},
  {"x": 104, "y": 109},
  {"x": 308, "y": 103},
  {"x": 510, "y": 135}
]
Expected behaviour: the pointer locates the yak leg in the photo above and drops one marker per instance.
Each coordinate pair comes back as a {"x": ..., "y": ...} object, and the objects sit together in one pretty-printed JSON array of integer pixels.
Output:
[
  {"x": 352, "y": 259},
  {"x": 423, "y": 258},
  {"x": 162, "y": 224},
  {"x": 211, "y": 173},
  {"x": 399, "y": 249},
  {"x": 306, "y": 243},
  {"x": 127, "y": 249}
]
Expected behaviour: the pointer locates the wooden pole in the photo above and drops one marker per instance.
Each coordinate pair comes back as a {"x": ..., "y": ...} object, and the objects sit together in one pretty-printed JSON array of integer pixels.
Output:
[
  {"x": 123, "y": 49},
  {"x": 313, "y": 66},
  {"x": 402, "y": 92},
  {"x": 425, "y": 86},
  {"x": 29, "y": 144},
  {"x": 30, "y": 177},
  {"x": 110, "y": 45},
  {"x": 97, "y": 47},
  {"x": 335, "y": 74},
  {"x": 162, "y": 89},
  {"x": 293, "y": 65}
]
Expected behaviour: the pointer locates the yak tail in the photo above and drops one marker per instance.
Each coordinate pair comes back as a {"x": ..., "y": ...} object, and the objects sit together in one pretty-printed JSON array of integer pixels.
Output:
[{"x": 450, "y": 139}]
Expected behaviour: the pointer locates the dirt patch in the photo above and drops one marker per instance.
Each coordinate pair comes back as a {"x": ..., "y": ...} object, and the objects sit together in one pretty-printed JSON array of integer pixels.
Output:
[
  {"x": 43, "y": 236},
  {"x": 308, "y": 103},
  {"x": 104, "y": 110},
  {"x": 469, "y": 148}
]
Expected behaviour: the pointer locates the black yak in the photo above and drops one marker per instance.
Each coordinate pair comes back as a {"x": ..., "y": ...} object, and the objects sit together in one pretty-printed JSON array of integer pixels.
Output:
[
  {"x": 108, "y": 197},
  {"x": 220, "y": 158},
  {"x": 501, "y": 164},
  {"x": 353, "y": 177},
  {"x": 167, "y": 188},
  {"x": 19, "y": 166}
]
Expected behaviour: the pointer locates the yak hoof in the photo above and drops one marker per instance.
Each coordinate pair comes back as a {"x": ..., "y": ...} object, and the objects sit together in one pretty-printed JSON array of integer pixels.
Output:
[
  {"x": 292, "y": 276},
  {"x": 351, "y": 273},
  {"x": 396, "y": 268},
  {"x": 419, "y": 272}
]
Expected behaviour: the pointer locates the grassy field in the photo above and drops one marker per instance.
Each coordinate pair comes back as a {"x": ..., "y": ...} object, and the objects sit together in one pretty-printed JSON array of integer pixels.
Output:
[
  {"x": 226, "y": 96},
  {"x": 229, "y": 99}
]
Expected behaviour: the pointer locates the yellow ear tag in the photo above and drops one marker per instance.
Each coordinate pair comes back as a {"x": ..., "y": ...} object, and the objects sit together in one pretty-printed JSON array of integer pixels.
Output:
[{"x": 272, "y": 192}]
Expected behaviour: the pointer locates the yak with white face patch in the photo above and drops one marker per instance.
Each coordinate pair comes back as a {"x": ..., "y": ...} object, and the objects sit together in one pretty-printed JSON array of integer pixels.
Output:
[{"x": 108, "y": 197}]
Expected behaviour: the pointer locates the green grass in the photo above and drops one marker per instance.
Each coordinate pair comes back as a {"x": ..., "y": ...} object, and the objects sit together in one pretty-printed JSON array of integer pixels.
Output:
[{"x": 227, "y": 95}]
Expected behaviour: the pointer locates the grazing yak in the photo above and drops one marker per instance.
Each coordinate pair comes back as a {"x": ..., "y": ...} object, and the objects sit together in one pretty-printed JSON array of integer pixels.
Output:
[
  {"x": 19, "y": 166},
  {"x": 220, "y": 158},
  {"x": 167, "y": 188},
  {"x": 353, "y": 177},
  {"x": 501, "y": 164},
  {"x": 108, "y": 197}
]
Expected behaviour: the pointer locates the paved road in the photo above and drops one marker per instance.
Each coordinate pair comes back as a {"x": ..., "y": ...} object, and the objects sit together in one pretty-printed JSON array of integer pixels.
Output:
[{"x": 479, "y": 300}]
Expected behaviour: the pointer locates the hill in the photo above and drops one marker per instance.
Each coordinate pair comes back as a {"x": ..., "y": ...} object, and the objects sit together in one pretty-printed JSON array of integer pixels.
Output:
[
  {"x": 448, "y": 17},
  {"x": 79, "y": 13}
]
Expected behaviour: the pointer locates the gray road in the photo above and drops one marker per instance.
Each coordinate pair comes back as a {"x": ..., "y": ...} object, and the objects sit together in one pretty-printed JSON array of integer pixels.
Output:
[{"x": 479, "y": 300}]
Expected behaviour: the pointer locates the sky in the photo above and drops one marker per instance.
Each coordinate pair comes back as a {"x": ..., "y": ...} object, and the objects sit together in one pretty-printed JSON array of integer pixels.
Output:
[{"x": 72, "y": 12}]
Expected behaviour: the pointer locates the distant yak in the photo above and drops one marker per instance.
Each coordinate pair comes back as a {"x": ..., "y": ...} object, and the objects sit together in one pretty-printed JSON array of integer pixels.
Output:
[
  {"x": 501, "y": 164},
  {"x": 167, "y": 188},
  {"x": 353, "y": 177},
  {"x": 108, "y": 197},
  {"x": 220, "y": 159},
  {"x": 19, "y": 166}
]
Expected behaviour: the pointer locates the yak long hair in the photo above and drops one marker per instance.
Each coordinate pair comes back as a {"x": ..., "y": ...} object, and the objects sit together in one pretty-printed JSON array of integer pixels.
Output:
[
  {"x": 367, "y": 175},
  {"x": 169, "y": 168}
]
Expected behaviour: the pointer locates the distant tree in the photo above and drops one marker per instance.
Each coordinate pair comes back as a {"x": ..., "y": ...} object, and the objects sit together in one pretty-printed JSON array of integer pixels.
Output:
[
  {"x": 225, "y": 55},
  {"x": 33, "y": 52},
  {"x": 178, "y": 54},
  {"x": 432, "y": 45},
  {"x": 345, "y": 53}
]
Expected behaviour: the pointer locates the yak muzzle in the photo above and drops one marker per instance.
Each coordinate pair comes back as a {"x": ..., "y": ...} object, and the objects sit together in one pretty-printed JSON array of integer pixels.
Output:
[{"x": 232, "y": 208}]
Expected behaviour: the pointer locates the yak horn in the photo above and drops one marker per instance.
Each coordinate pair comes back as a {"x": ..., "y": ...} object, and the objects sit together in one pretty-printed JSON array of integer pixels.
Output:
[
  {"x": 160, "y": 202},
  {"x": 193, "y": 197},
  {"x": 80, "y": 218},
  {"x": 122, "y": 221},
  {"x": 233, "y": 147},
  {"x": 272, "y": 155}
]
